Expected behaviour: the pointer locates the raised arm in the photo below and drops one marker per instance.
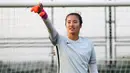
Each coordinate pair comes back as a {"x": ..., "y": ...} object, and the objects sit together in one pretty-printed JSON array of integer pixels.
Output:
[{"x": 42, "y": 13}]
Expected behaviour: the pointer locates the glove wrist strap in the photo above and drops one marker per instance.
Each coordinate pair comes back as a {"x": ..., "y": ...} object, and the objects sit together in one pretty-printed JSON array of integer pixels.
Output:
[{"x": 43, "y": 14}]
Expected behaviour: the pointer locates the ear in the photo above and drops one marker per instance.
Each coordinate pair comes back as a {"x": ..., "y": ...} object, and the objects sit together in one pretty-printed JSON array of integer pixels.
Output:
[
  {"x": 80, "y": 25},
  {"x": 65, "y": 24}
]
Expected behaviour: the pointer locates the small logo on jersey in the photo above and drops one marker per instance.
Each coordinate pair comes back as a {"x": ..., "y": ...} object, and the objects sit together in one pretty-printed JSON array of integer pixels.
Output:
[{"x": 67, "y": 43}]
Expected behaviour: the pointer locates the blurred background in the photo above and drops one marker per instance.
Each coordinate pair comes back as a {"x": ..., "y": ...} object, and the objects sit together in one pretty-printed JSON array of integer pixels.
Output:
[{"x": 26, "y": 48}]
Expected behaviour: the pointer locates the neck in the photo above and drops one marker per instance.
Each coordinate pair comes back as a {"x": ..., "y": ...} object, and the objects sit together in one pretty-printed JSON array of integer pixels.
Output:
[{"x": 73, "y": 37}]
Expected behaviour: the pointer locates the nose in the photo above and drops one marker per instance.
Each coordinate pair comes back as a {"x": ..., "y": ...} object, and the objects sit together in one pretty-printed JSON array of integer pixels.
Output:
[{"x": 71, "y": 24}]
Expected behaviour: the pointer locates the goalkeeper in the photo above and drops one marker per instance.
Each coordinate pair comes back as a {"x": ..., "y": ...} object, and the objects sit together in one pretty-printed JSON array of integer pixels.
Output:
[{"x": 75, "y": 54}]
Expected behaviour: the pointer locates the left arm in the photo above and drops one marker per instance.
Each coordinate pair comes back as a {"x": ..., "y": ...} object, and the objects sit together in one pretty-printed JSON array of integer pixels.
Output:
[
  {"x": 93, "y": 68},
  {"x": 92, "y": 62}
]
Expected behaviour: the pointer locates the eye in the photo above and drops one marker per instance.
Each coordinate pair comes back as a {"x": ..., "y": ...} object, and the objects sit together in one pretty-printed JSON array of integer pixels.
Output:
[
  {"x": 68, "y": 22},
  {"x": 75, "y": 21}
]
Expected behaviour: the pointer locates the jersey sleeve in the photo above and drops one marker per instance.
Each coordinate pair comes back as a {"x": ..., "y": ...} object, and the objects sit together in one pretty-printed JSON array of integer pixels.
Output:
[
  {"x": 53, "y": 34},
  {"x": 93, "y": 68},
  {"x": 92, "y": 61},
  {"x": 92, "y": 56}
]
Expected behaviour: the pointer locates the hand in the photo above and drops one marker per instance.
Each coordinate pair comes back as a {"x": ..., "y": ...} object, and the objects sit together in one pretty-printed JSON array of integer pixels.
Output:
[
  {"x": 39, "y": 9},
  {"x": 36, "y": 9}
]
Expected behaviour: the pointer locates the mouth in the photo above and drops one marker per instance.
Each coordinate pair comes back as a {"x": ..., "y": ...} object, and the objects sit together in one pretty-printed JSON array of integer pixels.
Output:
[{"x": 72, "y": 28}]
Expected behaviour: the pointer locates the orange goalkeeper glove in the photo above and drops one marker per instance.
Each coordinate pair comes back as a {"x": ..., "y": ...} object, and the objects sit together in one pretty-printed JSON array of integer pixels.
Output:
[{"x": 39, "y": 9}]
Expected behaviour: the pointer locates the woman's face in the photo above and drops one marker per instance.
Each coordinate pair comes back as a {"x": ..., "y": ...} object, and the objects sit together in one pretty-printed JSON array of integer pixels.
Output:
[{"x": 73, "y": 24}]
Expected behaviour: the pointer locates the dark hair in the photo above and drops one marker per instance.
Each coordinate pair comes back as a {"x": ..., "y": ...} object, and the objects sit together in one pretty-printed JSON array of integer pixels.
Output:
[{"x": 76, "y": 14}]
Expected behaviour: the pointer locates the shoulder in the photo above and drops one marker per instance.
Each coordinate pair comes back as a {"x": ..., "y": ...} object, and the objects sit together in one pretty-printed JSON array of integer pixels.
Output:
[
  {"x": 87, "y": 41},
  {"x": 61, "y": 38}
]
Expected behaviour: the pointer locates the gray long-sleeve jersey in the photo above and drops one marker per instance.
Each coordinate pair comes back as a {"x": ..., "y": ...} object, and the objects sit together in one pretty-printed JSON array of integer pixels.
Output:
[{"x": 74, "y": 56}]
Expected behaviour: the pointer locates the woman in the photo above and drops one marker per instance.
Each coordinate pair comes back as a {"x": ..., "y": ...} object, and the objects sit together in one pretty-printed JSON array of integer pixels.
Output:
[{"x": 76, "y": 54}]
